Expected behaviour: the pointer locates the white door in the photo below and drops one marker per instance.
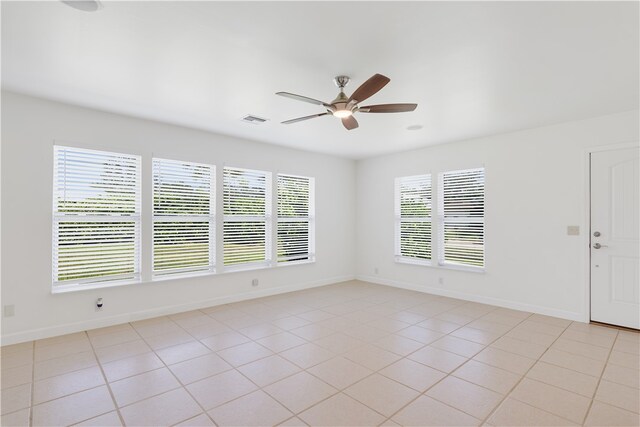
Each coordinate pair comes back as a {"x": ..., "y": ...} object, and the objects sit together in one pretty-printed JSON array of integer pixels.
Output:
[{"x": 615, "y": 236}]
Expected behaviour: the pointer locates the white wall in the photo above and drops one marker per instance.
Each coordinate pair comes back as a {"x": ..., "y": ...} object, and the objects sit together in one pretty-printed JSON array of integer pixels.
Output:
[
  {"x": 29, "y": 128},
  {"x": 536, "y": 185}
]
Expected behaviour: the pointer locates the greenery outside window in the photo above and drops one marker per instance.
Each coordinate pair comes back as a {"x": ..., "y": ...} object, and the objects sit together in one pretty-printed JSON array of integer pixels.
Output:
[
  {"x": 413, "y": 208},
  {"x": 183, "y": 218},
  {"x": 247, "y": 218},
  {"x": 96, "y": 218},
  {"x": 295, "y": 229},
  {"x": 461, "y": 208}
]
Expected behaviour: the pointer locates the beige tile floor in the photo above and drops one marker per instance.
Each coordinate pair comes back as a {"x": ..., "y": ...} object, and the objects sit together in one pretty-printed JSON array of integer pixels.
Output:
[{"x": 346, "y": 354}]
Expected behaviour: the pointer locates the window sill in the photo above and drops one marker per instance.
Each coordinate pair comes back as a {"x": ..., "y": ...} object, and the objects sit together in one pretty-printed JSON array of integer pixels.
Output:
[
  {"x": 292, "y": 263},
  {"x": 413, "y": 261},
  {"x": 182, "y": 275},
  {"x": 246, "y": 267},
  {"x": 469, "y": 269},
  {"x": 466, "y": 268},
  {"x": 63, "y": 289}
]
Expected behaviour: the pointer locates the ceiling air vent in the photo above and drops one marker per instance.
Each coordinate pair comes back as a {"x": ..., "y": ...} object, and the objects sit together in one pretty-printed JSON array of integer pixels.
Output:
[{"x": 249, "y": 118}]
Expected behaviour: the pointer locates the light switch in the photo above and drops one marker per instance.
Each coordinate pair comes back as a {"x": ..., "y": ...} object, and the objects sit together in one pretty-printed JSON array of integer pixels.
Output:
[{"x": 573, "y": 230}]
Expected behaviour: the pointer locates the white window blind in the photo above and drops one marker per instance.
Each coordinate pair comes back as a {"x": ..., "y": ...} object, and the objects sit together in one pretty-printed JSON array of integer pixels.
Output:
[
  {"x": 295, "y": 233},
  {"x": 413, "y": 218},
  {"x": 96, "y": 217},
  {"x": 183, "y": 217},
  {"x": 462, "y": 218},
  {"x": 247, "y": 217}
]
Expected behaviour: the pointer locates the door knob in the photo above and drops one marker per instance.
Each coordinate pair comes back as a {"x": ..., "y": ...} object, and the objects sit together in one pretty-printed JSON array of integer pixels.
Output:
[{"x": 598, "y": 246}]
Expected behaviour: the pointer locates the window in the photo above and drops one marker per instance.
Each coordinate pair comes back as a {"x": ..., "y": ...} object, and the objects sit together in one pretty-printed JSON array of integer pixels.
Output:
[
  {"x": 461, "y": 203},
  {"x": 247, "y": 217},
  {"x": 413, "y": 219},
  {"x": 96, "y": 217},
  {"x": 183, "y": 217},
  {"x": 295, "y": 219}
]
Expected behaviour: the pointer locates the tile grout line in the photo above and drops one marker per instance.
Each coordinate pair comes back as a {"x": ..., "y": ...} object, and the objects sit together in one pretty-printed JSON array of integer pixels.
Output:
[
  {"x": 339, "y": 391},
  {"x": 295, "y": 414},
  {"x": 260, "y": 388},
  {"x": 567, "y": 352},
  {"x": 60, "y": 357},
  {"x": 173, "y": 375},
  {"x": 448, "y": 374},
  {"x": 357, "y": 324},
  {"x": 401, "y": 358},
  {"x": 570, "y": 369},
  {"x": 524, "y": 376},
  {"x": 106, "y": 382},
  {"x": 391, "y": 379},
  {"x": 50, "y": 377},
  {"x": 235, "y": 368},
  {"x": 79, "y": 391},
  {"x": 360, "y": 323},
  {"x": 595, "y": 390}
]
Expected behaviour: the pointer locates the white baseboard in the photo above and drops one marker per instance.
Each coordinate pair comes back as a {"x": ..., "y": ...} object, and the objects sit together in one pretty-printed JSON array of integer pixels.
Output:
[
  {"x": 569, "y": 315},
  {"x": 68, "y": 328}
]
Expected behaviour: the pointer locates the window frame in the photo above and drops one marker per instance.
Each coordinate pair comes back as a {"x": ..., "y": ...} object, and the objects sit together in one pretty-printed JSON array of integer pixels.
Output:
[
  {"x": 267, "y": 219},
  {"x": 442, "y": 220},
  {"x": 309, "y": 219},
  {"x": 399, "y": 219},
  {"x": 157, "y": 275},
  {"x": 58, "y": 218},
  {"x": 145, "y": 217}
]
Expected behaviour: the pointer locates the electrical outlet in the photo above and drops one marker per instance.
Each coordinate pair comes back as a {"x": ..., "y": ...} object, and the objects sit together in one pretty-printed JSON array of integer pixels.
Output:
[
  {"x": 99, "y": 304},
  {"x": 441, "y": 280},
  {"x": 375, "y": 270},
  {"x": 254, "y": 282},
  {"x": 9, "y": 310}
]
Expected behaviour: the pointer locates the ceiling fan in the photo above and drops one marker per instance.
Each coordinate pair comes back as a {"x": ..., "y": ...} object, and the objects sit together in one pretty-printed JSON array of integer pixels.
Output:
[{"x": 344, "y": 107}]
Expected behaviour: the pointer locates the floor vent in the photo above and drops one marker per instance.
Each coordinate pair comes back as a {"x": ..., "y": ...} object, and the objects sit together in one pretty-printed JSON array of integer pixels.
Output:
[{"x": 253, "y": 119}]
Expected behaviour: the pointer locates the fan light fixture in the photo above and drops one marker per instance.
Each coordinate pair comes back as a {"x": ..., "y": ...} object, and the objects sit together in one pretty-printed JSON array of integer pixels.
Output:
[
  {"x": 341, "y": 114},
  {"x": 344, "y": 107}
]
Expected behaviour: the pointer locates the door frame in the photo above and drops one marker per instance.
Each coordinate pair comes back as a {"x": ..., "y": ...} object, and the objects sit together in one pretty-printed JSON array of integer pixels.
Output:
[{"x": 587, "y": 235}]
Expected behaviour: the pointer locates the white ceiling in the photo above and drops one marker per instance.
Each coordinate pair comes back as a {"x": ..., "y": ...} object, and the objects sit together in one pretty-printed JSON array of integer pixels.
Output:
[{"x": 474, "y": 68}]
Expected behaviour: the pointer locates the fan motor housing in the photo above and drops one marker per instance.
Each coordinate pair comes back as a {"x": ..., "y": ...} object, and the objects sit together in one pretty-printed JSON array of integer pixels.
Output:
[{"x": 341, "y": 98}]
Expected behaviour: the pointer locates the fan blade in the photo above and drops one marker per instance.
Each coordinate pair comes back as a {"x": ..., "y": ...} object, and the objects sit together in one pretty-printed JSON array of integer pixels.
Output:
[
  {"x": 388, "y": 108},
  {"x": 369, "y": 88},
  {"x": 350, "y": 122},
  {"x": 300, "y": 119},
  {"x": 302, "y": 98}
]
